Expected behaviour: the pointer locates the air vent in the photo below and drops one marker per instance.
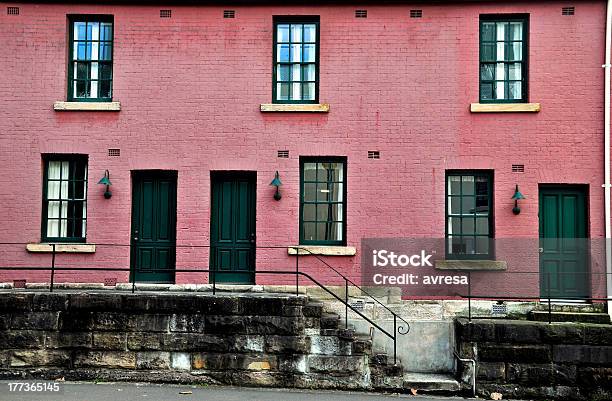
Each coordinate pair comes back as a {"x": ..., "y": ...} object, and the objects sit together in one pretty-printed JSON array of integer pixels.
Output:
[
  {"x": 114, "y": 152},
  {"x": 283, "y": 154},
  {"x": 19, "y": 284},
  {"x": 12, "y": 10},
  {"x": 518, "y": 168},
  {"x": 568, "y": 11},
  {"x": 110, "y": 281},
  {"x": 165, "y": 13},
  {"x": 361, "y": 13},
  {"x": 373, "y": 154},
  {"x": 416, "y": 13},
  {"x": 229, "y": 14},
  {"x": 499, "y": 308}
]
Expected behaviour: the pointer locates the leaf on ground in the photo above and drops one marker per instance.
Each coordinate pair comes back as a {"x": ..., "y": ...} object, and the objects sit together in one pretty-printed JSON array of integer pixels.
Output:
[
  {"x": 496, "y": 396},
  {"x": 413, "y": 391},
  {"x": 186, "y": 392},
  {"x": 60, "y": 379}
]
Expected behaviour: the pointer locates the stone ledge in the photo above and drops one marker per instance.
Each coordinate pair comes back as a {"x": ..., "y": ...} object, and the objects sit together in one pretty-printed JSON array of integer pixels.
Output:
[
  {"x": 61, "y": 248},
  {"x": 322, "y": 250},
  {"x": 308, "y": 108},
  {"x": 87, "y": 106},
  {"x": 472, "y": 265},
  {"x": 505, "y": 107}
]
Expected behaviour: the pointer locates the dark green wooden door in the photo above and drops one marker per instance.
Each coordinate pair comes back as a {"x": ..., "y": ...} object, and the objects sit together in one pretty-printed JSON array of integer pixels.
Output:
[
  {"x": 232, "y": 236},
  {"x": 563, "y": 243},
  {"x": 153, "y": 226}
]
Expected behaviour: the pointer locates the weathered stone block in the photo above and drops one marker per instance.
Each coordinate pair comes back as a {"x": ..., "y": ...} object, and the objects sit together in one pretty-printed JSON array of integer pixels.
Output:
[
  {"x": 595, "y": 377},
  {"x": 195, "y": 342},
  {"x": 379, "y": 359},
  {"x": 35, "y": 358},
  {"x": 313, "y": 310},
  {"x": 362, "y": 346},
  {"x": 96, "y": 302},
  {"x": 491, "y": 371},
  {"x": 278, "y": 325},
  {"x": 105, "y": 359},
  {"x": 35, "y": 321},
  {"x": 233, "y": 361},
  {"x": 68, "y": 340},
  {"x": 50, "y": 302},
  {"x": 5, "y": 321},
  {"x": 329, "y": 345},
  {"x": 224, "y": 324},
  {"x": 264, "y": 306},
  {"x": 148, "y": 323},
  {"x": 466, "y": 350},
  {"x": 336, "y": 364},
  {"x": 292, "y": 311},
  {"x": 293, "y": 363},
  {"x": 491, "y": 352},
  {"x": 476, "y": 331},
  {"x": 110, "y": 341},
  {"x": 144, "y": 341},
  {"x": 247, "y": 343},
  {"x": 287, "y": 344},
  {"x": 75, "y": 321},
  {"x": 18, "y": 339},
  {"x": 153, "y": 360},
  {"x": 517, "y": 332},
  {"x": 598, "y": 334},
  {"x": 583, "y": 354},
  {"x": 187, "y": 323},
  {"x": 219, "y": 305},
  {"x": 12, "y": 302},
  {"x": 180, "y": 361},
  {"x": 109, "y": 321},
  {"x": 524, "y": 374},
  {"x": 562, "y": 333}
]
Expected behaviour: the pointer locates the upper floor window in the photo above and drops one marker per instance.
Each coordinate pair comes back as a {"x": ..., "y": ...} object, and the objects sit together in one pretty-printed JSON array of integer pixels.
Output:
[
  {"x": 323, "y": 201},
  {"x": 469, "y": 214},
  {"x": 65, "y": 198},
  {"x": 90, "y": 69},
  {"x": 503, "y": 59},
  {"x": 296, "y": 60}
]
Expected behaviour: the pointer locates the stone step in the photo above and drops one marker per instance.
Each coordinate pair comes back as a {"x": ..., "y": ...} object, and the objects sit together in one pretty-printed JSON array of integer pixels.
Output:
[
  {"x": 542, "y": 316},
  {"x": 330, "y": 321},
  {"x": 431, "y": 382}
]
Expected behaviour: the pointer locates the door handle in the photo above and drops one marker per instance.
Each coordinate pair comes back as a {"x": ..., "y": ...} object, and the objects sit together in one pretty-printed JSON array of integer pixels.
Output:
[
  {"x": 135, "y": 235},
  {"x": 252, "y": 238}
]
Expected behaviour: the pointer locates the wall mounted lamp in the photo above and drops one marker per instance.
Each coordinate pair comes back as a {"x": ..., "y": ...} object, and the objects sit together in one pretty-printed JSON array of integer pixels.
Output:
[
  {"x": 277, "y": 183},
  {"x": 517, "y": 196},
  {"x": 106, "y": 181}
]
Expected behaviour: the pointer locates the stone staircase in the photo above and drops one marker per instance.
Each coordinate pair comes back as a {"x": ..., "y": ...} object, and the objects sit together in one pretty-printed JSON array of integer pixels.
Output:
[{"x": 586, "y": 313}]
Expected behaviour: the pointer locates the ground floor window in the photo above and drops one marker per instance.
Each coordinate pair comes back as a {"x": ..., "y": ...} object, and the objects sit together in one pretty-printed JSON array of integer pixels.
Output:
[
  {"x": 65, "y": 198},
  {"x": 469, "y": 214},
  {"x": 323, "y": 200}
]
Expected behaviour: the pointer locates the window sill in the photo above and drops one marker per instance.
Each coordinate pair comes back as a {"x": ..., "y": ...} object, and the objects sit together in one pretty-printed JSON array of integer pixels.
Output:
[
  {"x": 300, "y": 108},
  {"x": 61, "y": 248},
  {"x": 322, "y": 250},
  {"x": 505, "y": 107},
  {"x": 87, "y": 106},
  {"x": 472, "y": 265}
]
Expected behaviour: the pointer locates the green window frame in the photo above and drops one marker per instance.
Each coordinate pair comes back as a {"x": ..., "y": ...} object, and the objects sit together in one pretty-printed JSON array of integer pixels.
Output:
[
  {"x": 323, "y": 200},
  {"x": 295, "y": 73},
  {"x": 64, "y": 211},
  {"x": 90, "y": 58},
  {"x": 469, "y": 214},
  {"x": 503, "y": 58}
]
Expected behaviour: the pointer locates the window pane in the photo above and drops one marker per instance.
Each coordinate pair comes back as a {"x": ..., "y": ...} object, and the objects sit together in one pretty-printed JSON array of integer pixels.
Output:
[
  {"x": 282, "y": 91},
  {"x": 487, "y": 72},
  {"x": 515, "y": 51},
  {"x": 488, "y": 31},
  {"x": 308, "y": 72},
  {"x": 282, "y": 73},
  {"x": 482, "y": 245},
  {"x": 323, "y": 192},
  {"x": 454, "y": 185},
  {"x": 500, "y": 71},
  {"x": 454, "y": 225},
  {"x": 467, "y": 185},
  {"x": 296, "y": 91},
  {"x": 468, "y": 245},
  {"x": 79, "y": 31},
  {"x": 310, "y": 171},
  {"x": 309, "y": 91},
  {"x": 514, "y": 71},
  {"x": 324, "y": 212},
  {"x": 106, "y": 31},
  {"x": 310, "y": 33},
  {"x": 282, "y": 33},
  {"x": 501, "y": 30},
  {"x": 486, "y": 91},
  {"x": 282, "y": 53},
  {"x": 515, "y": 31},
  {"x": 81, "y": 89},
  {"x": 296, "y": 53},
  {"x": 105, "y": 89},
  {"x": 487, "y": 52},
  {"x": 500, "y": 90},
  {"x": 309, "y": 212},
  {"x": 309, "y": 229},
  {"x": 296, "y": 73},
  {"x": 105, "y": 71},
  {"x": 482, "y": 225},
  {"x": 467, "y": 226},
  {"x": 310, "y": 192},
  {"x": 296, "y": 33},
  {"x": 468, "y": 205},
  {"x": 515, "y": 90},
  {"x": 309, "y": 53},
  {"x": 106, "y": 51},
  {"x": 482, "y": 185},
  {"x": 454, "y": 205},
  {"x": 501, "y": 51}
]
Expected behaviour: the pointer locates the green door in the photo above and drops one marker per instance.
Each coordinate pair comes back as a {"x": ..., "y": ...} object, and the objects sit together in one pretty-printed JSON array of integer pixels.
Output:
[
  {"x": 232, "y": 227},
  {"x": 153, "y": 241},
  {"x": 563, "y": 242}
]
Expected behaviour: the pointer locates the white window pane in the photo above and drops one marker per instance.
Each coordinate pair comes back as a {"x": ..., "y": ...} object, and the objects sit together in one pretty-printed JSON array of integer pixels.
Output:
[
  {"x": 282, "y": 91},
  {"x": 53, "y": 228},
  {"x": 309, "y": 91},
  {"x": 282, "y": 33},
  {"x": 500, "y": 90},
  {"x": 95, "y": 50},
  {"x": 310, "y": 33},
  {"x": 296, "y": 33},
  {"x": 95, "y": 30},
  {"x": 84, "y": 210},
  {"x": 79, "y": 31},
  {"x": 500, "y": 71},
  {"x": 296, "y": 91},
  {"x": 516, "y": 31},
  {"x": 501, "y": 31},
  {"x": 309, "y": 72},
  {"x": 64, "y": 210},
  {"x": 53, "y": 190},
  {"x": 515, "y": 90},
  {"x": 64, "y": 189},
  {"x": 65, "y": 170},
  {"x": 296, "y": 53},
  {"x": 296, "y": 72},
  {"x": 54, "y": 170},
  {"x": 516, "y": 51},
  {"x": 53, "y": 209},
  {"x": 501, "y": 51},
  {"x": 94, "y": 70},
  {"x": 63, "y": 228},
  {"x": 514, "y": 71}
]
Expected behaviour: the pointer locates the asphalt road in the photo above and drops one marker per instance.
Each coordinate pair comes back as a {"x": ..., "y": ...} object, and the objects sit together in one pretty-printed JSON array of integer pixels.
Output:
[{"x": 165, "y": 392}]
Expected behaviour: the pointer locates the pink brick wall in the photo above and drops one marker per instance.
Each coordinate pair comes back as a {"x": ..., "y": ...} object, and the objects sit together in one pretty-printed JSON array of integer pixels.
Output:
[{"x": 190, "y": 89}]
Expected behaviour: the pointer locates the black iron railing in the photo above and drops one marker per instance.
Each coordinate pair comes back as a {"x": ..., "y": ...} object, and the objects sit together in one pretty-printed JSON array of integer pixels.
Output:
[{"x": 400, "y": 325}]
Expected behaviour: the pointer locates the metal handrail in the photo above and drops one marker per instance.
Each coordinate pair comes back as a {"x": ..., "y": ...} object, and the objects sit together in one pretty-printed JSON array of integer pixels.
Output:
[{"x": 402, "y": 329}]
